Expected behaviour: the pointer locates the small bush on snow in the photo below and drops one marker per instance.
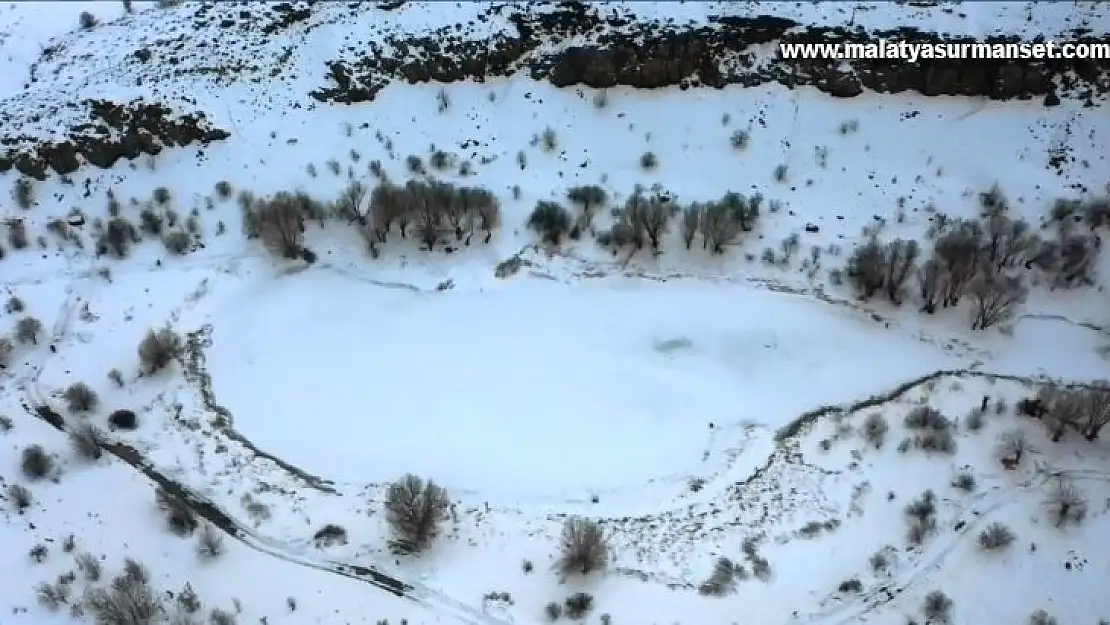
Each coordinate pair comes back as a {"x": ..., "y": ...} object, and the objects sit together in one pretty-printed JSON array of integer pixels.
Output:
[
  {"x": 86, "y": 439},
  {"x": 178, "y": 242},
  {"x": 996, "y": 536},
  {"x": 7, "y": 347},
  {"x": 20, "y": 497},
  {"x": 330, "y": 534},
  {"x": 964, "y": 480},
  {"x": 578, "y": 605},
  {"x": 158, "y": 349},
  {"x": 874, "y": 429},
  {"x": 1041, "y": 617},
  {"x": 937, "y": 608},
  {"x": 36, "y": 463},
  {"x": 584, "y": 547},
  {"x": 89, "y": 566},
  {"x": 123, "y": 419},
  {"x": 179, "y": 517},
  {"x": 52, "y": 596},
  {"x": 210, "y": 543},
  {"x": 27, "y": 330},
  {"x": 1066, "y": 503},
  {"x": 128, "y": 600},
  {"x": 921, "y": 515},
  {"x": 80, "y": 397},
  {"x": 721, "y": 581},
  {"x": 553, "y": 611},
  {"x": 218, "y": 616}
]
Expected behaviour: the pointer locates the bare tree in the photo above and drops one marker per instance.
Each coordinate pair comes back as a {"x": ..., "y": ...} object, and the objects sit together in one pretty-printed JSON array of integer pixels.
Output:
[
  {"x": 744, "y": 210},
  {"x": 958, "y": 251},
  {"x": 867, "y": 268},
  {"x": 930, "y": 280},
  {"x": 1066, "y": 503},
  {"x": 550, "y": 220},
  {"x": 414, "y": 510},
  {"x": 1063, "y": 410},
  {"x": 588, "y": 197},
  {"x": 1007, "y": 241},
  {"x": 996, "y": 299},
  {"x": 691, "y": 217},
  {"x": 1077, "y": 255},
  {"x": 351, "y": 204},
  {"x": 718, "y": 227},
  {"x": 650, "y": 215},
  {"x": 281, "y": 225},
  {"x": 901, "y": 257},
  {"x": 1012, "y": 445},
  {"x": 1096, "y": 410},
  {"x": 584, "y": 547},
  {"x": 488, "y": 211}
]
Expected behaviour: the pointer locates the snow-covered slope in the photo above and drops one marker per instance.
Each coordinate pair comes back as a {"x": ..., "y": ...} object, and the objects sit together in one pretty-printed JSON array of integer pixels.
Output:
[{"x": 697, "y": 406}]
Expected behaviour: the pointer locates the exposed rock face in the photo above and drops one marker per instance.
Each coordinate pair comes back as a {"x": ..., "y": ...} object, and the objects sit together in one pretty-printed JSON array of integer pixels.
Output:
[
  {"x": 666, "y": 55},
  {"x": 114, "y": 131}
]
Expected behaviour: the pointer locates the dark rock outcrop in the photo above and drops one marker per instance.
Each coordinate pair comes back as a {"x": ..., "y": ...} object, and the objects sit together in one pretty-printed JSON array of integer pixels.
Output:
[
  {"x": 113, "y": 131},
  {"x": 653, "y": 55}
]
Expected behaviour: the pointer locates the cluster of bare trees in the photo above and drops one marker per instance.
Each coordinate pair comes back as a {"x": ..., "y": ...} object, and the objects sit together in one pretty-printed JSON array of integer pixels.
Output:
[
  {"x": 432, "y": 210},
  {"x": 983, "y": 259},
  {"x": 1083, "y": 409},
  {"x": 646, "y": 217}
]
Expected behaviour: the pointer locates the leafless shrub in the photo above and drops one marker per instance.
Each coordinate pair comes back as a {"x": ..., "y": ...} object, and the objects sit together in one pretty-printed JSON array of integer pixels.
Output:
[
  {"x": 648, "y": 160},
  {"x": 578, "y": 605},
  {"x": 974, "y": 420},
  {"x": 330, "y": 534},
  {"x": 740, "y": 139},
  {"x": 218, "y": 616},
  {"x": 38, "y": 553},
  {"x": 224, "y": 189},
  {"x": 88, "y": 20},
  {"x": 158, "y": 349},
  {"x": 179, "y": 516},
  {"x": 27, "y": 330},
  {"x": 937, "y": 608},
  {"x": 89, "y": 565},
  {"x": 921, "y": 515},
  {"x": 118, "y": 236},
  {"x": 80, "y": 398},
  {"x": 13, "y": 305},
  {"x": 414, "y": 510},
  {"x": 926, "y": 417},
  {"x": 780, "y": 173},
  {"x": 553, "y": 611},
  {"x": 549, "y": 140},
  {"x": 875, "y": 428},
  {"x": 995, "y": 299},
  {"x": 35, "y": 462},
  {"x": 17, "y": 233},
  {"x": 584, "y": 547},
  {"x": 86, "y": 439},
  {"x": 116, "y": 377},
  {"x": 129, "y": 600},
  {"x": 646, "y": 218},
  {"x": 52, "y": 596},
  {"x": 7, "y": 348},
  {"x": 1041, "y": 617},
  {"x": 210, "y": 542},
  {"x": 1066, "y": 503},
  {"x": 187, "y": 600},
  {"x": 964, "y": 480},
  {"x": 550, "y": 220},
  {"x": 995, "y": 536},
  {"x": 24, "y": 192},
  {"x": 151, "y": 222},
  {"x": 721, "y": 581},
  {"x": 1011, "y": 448},
  {"x": 280, "y": 223},
  {"x": 178, "y": 242},
  {"x": 20, "y": 496}
]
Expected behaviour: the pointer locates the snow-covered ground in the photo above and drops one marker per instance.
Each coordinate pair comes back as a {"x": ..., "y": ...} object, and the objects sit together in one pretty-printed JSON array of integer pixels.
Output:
[{"x": 652, "y": 393}]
